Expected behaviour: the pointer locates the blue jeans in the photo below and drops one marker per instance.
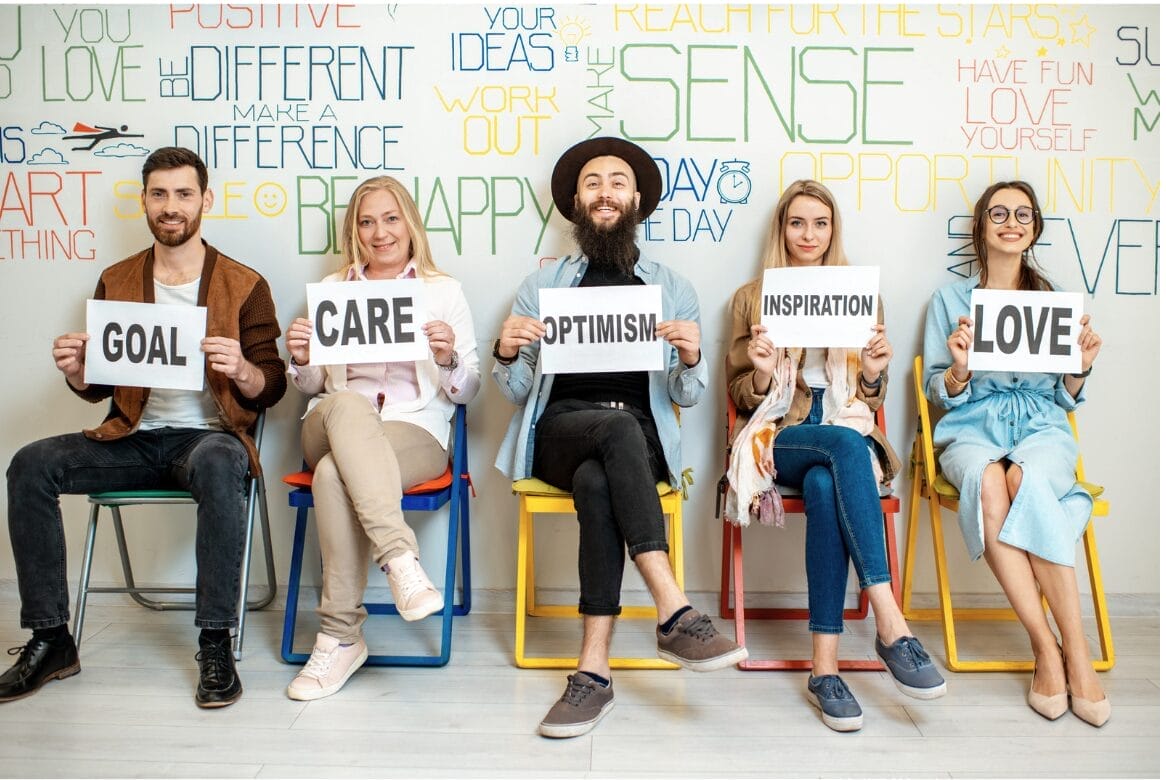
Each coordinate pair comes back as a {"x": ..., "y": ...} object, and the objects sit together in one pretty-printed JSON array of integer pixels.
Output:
[
  {"x": 611, "y": 461},
  {"x": 844, "y": 521},
  {"x": 212, "y": 465}
]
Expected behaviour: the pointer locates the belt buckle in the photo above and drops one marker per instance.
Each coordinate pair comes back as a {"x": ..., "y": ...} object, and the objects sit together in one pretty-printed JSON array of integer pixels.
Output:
[{"x": 619, "y": 405}]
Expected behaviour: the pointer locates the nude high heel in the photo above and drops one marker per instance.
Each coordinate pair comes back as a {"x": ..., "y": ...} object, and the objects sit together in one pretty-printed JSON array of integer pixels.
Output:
[
  {"x": 1095, "y": 713},
  {"x": 1051, "y": 707}
]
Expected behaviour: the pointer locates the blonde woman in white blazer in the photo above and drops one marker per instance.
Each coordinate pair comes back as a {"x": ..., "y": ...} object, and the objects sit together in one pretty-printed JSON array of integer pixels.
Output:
[{"x": 375, "y": 429}]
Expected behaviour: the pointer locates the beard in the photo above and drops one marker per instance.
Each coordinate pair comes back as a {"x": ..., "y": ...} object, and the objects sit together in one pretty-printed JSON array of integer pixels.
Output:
[
  {"x": 170, "y": 237},
  {"x": 612, "y": 247}
]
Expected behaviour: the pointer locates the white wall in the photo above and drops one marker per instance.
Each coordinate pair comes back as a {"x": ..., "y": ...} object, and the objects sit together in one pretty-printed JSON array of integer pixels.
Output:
[{"x": 907, "y": 113}]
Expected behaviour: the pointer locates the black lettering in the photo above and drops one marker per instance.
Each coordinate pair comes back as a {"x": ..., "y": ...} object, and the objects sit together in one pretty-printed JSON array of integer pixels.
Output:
[
  {"x": 580, "y": 321},
  {"x": 606, "y": 330},
  {"x": 648, "y": 327},
  {"x": 549, "y": 337},
  {"x": 1008, "y": 314},
  {"x": 378, "y": 319},
  {"x": 326, "y": 337},
  {"x": 1034, "y": 338},
  {"x": 564, "y": 328},
  {"x": 815, "y": 306},
  {"x": 868, "y": 305},
  {"x": 111, "y": 343},
  {"x": 402, "y": 316},
  {"x": 157, "y": 348},
  {"x": 979, "y": 344},
  {"x": 769, "y": 305},
  {"x": 353, "y": 332},
  {"x": 135, "y": 351},
  {"x": 1060, "y": 327},
  {"x": 175, "y": 358}
]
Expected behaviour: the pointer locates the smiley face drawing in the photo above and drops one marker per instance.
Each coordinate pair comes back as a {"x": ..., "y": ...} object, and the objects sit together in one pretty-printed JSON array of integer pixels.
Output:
[{"x": 270, "y": 199}]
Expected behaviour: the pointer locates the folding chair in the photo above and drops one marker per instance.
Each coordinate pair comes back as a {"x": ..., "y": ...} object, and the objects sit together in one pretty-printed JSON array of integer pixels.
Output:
[
  {"x": 733, "y": 573},
  {"x": 537, "y": 497},
  {"x": 115, "y": 500},
  {"x": 426, "y": 497},
  {"x": 929, "y": 484}
]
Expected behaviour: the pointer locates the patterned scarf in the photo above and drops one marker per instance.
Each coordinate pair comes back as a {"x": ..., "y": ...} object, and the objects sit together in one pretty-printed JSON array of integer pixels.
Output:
[{"x": 752, "y": 493}]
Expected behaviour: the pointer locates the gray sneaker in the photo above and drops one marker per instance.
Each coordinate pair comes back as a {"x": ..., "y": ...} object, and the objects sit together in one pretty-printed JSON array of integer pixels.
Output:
[
  {"x": 581, "y": 706},
  {"x": 911, "y": 668},
  {"x": 840, "y": 710},
  {"x": 695, "y": 644}
]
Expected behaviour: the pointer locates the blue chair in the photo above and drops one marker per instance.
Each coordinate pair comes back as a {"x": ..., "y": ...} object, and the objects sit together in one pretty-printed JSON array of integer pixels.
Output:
[{"x": 428, "y": 496}]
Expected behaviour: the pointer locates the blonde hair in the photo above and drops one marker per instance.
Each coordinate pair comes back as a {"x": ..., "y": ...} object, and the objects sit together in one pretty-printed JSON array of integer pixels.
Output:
[
  {"x": 776, "y": 255},
  {"x": 352, "y": 252}
]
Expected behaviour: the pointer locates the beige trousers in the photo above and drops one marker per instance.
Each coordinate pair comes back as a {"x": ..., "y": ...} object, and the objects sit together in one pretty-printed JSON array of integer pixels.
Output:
[{"x": 361, "y": 465}]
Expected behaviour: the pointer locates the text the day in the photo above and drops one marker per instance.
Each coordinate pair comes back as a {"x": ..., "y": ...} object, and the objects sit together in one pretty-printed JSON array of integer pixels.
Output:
[
  {"x": 1025, "y": 331},
  {"x": 145, "y": 345},
  {"x": 601, "y": 329},
  {"x": 367, "y": 321},
  {"x": 823, "y": 306}
]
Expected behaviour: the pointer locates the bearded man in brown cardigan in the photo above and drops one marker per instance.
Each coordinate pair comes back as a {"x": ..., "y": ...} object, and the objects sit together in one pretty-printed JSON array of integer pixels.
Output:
[{"x": 177, "y": 439}]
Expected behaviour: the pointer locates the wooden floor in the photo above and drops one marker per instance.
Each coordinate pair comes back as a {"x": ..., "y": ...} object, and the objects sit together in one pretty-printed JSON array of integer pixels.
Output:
[{"x": 130, "y": 713}]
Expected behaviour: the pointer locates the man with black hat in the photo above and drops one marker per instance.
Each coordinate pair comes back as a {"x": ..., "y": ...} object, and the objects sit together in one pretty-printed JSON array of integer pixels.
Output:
[{"x": 608, "y": 437}]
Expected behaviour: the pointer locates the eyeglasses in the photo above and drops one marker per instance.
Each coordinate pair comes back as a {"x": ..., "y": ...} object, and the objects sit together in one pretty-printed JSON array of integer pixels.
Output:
[{"x": 999, "y": 214}]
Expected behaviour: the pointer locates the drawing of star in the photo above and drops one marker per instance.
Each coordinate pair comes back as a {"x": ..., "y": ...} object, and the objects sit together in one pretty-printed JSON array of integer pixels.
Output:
[
  {"x": 1002, "y": 52},
  {"x": 1060, "y": 41},
  {"x": 1042, "y": 52},
  {"x": 1083, "y": 31}
]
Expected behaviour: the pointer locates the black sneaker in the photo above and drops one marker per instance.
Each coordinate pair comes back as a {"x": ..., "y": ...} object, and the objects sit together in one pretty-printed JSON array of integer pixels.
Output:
[
  {"x": 218, "y": 683},
  {"x": 840, "y": 710},
  {"x": 911, "y": 668},
  {"x": 581, "y": 706},
  {"x": 40, "y": 661}
]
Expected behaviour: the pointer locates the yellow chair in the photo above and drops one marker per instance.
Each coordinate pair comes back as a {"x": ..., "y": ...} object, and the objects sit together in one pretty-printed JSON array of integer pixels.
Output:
[
  {"x": 928, "y": 484},
  {"x": 537, "y": 497}
]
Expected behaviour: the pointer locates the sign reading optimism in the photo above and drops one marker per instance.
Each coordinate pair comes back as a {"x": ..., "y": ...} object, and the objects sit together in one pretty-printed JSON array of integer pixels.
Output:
[
  {"x": 822, "y": 306},
  {"x": 367, "y": 321},
  {"x": 144, "y": 344},
  {"x": 601, "y": 329},
  {"x": 1026, "y": 331}
]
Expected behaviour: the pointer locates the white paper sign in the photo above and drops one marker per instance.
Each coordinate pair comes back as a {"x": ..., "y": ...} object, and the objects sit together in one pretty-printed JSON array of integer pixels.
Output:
[
  {"x": 367, "y": 321},
  {"x": 820, "y": 306},
  {"x": 601, "y": 329},
  {"x": 1026, "y": 331},
  {"x": 145, "y": 345}
]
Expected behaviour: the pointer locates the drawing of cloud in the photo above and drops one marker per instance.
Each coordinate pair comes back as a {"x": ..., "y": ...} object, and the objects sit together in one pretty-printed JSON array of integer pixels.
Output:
[
  {"x": 47, "y": 156},
  {"x": 122, "y": 150},
  {"x": 48, "y": 128}
]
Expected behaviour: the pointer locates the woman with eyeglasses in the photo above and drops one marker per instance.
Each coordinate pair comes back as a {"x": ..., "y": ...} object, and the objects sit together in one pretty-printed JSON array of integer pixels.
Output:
[{"x": 1007, "y": 445}]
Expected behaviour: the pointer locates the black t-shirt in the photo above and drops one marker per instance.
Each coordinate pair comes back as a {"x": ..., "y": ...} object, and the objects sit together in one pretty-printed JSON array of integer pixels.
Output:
[{"x": 627, "y": 386}]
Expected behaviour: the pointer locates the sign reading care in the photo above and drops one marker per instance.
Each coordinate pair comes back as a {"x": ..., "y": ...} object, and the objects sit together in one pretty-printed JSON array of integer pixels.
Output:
[
  {"x": 601, "y": 329},
  {"x": 375, "y": 321},
  {"x": 820, "y": 306},
  {"x": 144, "y": 344},
  {"x": 1016, "y": 330}
]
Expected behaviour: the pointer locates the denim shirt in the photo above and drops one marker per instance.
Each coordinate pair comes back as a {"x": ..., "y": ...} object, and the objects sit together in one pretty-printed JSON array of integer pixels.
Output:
[{"x": 680, "y": 385}]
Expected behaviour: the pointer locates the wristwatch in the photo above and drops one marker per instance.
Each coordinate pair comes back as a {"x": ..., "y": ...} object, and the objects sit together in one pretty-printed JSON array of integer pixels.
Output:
[
  {"x": 503, "y": 360},
  {"x": 452, "y": 364},
  {"x": 1083, "y": 374}
]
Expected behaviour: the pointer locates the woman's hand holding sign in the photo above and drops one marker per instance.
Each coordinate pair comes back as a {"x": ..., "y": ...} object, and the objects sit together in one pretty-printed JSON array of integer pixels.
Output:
[
  {"x": 298, "y": 339},
  {"x": 876, "y": 355},
  {"x": 763, "y": 354},
  {"x": 441, "y": 341}
]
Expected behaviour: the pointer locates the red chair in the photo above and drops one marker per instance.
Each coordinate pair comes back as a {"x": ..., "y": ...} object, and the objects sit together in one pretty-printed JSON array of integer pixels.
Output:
[{"x": 733, "y": 571}]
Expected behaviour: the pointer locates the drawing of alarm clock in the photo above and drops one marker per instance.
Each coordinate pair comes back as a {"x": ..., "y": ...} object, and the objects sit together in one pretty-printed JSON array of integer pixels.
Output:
[{"x": 733, "y": 184}]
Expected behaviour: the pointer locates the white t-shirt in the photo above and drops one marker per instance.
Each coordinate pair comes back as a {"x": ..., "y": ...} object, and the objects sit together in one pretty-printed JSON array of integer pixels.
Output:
[
  {"x": 814, "y": 368},
  {"x": 179, "y": 408}
]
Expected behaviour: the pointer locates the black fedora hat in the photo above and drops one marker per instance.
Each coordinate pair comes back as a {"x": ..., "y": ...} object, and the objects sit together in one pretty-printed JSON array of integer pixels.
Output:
[{"x": 565, "y": 178}]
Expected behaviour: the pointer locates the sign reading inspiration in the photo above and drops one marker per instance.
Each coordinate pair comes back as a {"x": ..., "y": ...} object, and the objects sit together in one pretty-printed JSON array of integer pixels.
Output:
[{"x": 820, "y": 306}]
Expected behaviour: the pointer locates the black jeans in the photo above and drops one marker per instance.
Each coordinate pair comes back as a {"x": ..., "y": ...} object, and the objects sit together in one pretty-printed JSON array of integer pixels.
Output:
[
  {"x": 212, "y": 465},
  {"x": 610, "y": 460}
]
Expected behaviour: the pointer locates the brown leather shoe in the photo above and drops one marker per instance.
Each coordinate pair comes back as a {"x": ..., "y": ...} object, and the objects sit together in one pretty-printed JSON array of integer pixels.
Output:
[{"x": 40, "y": 661}]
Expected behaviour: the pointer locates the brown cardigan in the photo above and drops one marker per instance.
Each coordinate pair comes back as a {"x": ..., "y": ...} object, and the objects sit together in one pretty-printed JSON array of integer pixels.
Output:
[
  {"x": 239, "y": 306},
  {"x": 745, "y": 311}
]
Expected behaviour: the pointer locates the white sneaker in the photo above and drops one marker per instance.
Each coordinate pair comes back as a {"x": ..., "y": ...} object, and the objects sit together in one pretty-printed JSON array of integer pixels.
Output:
[
  {"x": 328, "y": 668},
  {"x": 413, "y": 593}
]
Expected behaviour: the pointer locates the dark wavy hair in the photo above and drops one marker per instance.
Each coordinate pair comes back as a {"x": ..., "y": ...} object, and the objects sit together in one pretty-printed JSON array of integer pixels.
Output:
[
  {"x": 168, "y": 158},
  {"x": 1032, "y": 277}
]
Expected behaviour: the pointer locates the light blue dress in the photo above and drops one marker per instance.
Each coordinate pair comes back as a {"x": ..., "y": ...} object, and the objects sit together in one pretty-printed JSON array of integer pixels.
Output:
[{"x": 1018, "y": 416}]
